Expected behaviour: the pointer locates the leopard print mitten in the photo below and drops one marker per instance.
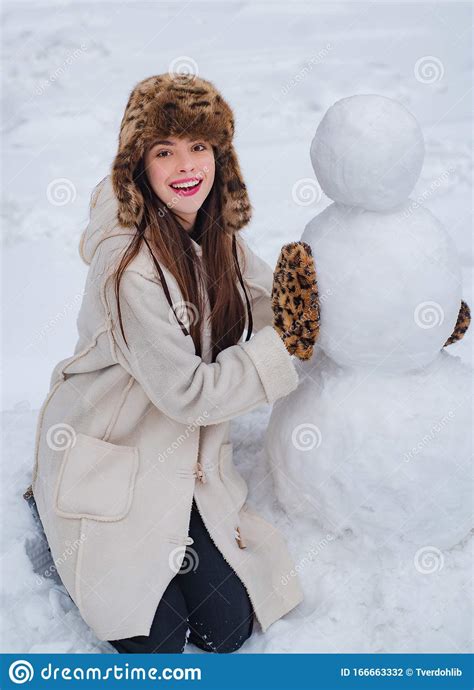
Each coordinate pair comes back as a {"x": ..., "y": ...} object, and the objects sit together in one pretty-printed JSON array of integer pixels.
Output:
[
  {"x": 462, "y": 324},
  {"x": 295, "y": 300}
]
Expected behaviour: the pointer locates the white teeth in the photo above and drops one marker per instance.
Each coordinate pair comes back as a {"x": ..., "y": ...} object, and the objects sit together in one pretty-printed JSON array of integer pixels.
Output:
[{"x": 185, "y": 185}]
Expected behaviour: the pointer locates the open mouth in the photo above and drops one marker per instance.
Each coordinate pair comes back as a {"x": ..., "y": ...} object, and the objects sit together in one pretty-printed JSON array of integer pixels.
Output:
[{"x": 186, "y": 187}]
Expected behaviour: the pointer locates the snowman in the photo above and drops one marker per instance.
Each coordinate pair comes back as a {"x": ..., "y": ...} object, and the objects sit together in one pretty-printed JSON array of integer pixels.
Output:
[{"x": 374, "y": 444}]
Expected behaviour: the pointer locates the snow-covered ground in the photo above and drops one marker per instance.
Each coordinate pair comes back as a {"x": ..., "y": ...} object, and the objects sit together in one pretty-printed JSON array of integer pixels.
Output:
[{"x": 71, "y": 67}]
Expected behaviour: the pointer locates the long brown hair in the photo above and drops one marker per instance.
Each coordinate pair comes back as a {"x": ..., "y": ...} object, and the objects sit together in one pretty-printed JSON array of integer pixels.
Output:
[{"x": 169, "y": 243}]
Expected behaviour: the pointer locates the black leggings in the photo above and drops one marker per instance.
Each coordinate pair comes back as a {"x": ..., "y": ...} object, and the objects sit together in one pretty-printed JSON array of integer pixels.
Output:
[{"x": 205, "y": 599}]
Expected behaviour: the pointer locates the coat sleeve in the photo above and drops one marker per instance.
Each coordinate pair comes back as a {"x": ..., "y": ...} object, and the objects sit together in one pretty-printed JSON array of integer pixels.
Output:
[
  {"x": 177, "y": 381},
  {"x": 258, "y": 277}
]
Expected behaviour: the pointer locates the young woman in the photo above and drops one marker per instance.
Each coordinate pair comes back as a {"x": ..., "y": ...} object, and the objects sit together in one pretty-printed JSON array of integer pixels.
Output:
[{"x": 144, "y": 511}]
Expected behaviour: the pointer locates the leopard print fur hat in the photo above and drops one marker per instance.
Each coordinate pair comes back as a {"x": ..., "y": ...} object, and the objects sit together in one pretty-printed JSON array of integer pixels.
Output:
[{"x": 178, "y": 105}]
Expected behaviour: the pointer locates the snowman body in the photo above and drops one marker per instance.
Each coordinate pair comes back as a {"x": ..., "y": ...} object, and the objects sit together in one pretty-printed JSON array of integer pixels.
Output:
[{"x": 389, "y": 283}]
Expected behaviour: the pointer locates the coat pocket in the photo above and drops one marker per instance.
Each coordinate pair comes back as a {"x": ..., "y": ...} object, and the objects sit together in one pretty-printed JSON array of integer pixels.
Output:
[
  {"x": 96, "y": 480},
  {"x": 234, "y": 483}
]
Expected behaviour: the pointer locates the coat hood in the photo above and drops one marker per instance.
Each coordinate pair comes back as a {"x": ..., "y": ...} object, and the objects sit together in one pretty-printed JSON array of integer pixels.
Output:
[{"x": 103, "y": 221}]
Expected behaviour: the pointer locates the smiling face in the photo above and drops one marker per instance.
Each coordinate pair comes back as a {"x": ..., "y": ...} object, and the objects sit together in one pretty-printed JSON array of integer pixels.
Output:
[{"x": 181, "y": 173}]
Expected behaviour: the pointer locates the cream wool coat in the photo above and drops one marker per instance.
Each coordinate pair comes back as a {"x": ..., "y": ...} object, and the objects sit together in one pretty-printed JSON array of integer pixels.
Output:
[{"x": 125, "y": 438}]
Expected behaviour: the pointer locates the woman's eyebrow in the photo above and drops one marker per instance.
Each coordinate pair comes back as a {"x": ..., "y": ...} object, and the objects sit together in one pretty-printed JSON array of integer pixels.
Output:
[{"x": 162, "y": 141}]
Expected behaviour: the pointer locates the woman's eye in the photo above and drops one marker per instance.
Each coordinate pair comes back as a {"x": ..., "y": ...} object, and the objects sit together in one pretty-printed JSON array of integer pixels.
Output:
[
  {"x": 162, "y": 154},
  {"x": 201, "y": 147}
]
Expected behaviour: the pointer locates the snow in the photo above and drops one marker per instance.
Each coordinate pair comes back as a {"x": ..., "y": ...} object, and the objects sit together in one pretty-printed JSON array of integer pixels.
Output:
[
  {"x": 370, "y": 451},
  {"x": 70, "y": 68}
]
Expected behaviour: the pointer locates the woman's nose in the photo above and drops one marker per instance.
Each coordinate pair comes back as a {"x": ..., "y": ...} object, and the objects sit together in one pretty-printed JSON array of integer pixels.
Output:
[{"x": 186, "y": 164}]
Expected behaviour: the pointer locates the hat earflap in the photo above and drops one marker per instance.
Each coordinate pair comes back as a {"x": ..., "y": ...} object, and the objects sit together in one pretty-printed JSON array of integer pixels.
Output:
[
  {"x": 130, "y": 199},
  {"x": 236, "y": 208}
]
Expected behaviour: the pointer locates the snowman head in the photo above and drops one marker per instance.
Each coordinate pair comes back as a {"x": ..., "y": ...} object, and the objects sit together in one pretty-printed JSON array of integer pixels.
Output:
[{"x": 368, "y": 152}]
